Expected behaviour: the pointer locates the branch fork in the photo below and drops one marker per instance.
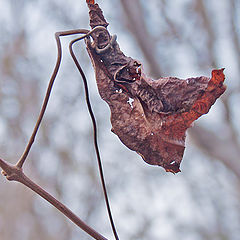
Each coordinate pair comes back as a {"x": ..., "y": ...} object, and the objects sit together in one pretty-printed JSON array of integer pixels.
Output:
[
  {"x": 11, "y": 172},
  {"x": 15, "y": 172}
]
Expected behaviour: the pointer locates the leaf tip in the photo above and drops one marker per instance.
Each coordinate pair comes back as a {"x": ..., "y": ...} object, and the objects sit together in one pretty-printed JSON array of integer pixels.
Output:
[
  {"x": 90, "y": 1},
  {"x": 172, "y": 167}
]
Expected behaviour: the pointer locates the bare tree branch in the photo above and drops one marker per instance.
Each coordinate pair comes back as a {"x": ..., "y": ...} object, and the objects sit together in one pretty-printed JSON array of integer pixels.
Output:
[{"x": 14, "y": 173}]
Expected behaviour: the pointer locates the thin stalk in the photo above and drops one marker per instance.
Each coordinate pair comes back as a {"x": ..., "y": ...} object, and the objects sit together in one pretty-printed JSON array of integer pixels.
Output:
[
  {"x": 48, "y": 93},
  {"x": 95, "y": 135}
]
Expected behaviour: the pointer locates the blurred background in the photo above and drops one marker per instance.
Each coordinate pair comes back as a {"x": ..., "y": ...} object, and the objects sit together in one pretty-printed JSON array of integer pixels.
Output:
[{"x": 182, "y": 38}]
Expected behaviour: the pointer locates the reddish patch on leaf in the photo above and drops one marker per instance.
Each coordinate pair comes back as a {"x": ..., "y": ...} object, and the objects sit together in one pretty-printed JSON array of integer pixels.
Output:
[
  {"x": 90, "y": 1},
  {"x": 149, "y": 116}
]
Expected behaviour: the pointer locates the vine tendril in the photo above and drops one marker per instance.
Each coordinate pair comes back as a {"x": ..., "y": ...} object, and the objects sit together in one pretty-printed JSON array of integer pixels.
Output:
[{"x": 94, "y": 130}]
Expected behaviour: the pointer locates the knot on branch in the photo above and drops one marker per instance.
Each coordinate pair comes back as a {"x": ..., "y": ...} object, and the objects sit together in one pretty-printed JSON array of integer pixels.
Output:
[{"x": 11, "y": 172}]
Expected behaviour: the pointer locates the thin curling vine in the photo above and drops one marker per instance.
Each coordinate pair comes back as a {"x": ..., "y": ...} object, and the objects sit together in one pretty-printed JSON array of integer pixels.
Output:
[{"x": 15, "y": 173}]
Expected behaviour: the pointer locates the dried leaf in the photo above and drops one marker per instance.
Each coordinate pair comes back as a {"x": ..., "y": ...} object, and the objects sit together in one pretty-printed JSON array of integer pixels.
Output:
[{"x": 149, "y": 116}]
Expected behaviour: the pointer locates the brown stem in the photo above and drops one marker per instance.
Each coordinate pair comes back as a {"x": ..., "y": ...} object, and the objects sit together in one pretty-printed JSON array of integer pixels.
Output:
[
  {"x": 48, "y": 93},
  {"x": 14, "y": 173},
  {"x": 95, "y": 132}
]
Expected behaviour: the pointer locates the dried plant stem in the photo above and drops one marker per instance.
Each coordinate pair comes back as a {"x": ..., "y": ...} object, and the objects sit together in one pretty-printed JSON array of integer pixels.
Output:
[
  {"x": 14, "y": 173},
  {"x": 95, "y": 135},
  {"x": 49, "y": 89}
]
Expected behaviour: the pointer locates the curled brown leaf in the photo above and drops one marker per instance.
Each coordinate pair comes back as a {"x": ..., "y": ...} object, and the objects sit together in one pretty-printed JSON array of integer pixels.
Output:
[{"x": 149, "y": 116}]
